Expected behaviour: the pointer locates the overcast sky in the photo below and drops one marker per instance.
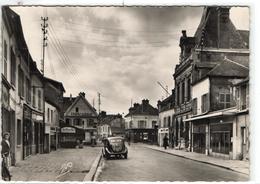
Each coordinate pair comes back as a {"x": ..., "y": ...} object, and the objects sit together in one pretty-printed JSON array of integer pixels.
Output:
[{"x": 120, "y": 52}]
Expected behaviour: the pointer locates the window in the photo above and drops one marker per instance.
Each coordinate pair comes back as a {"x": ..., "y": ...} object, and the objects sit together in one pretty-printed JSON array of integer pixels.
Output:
[
  {"x": 183, "y": 93},
  {"x": 51, "y": 116},
  {"x": 5, "y": 59},
  {"x": 204, "y": 103},
  {"x": 141, "y": 124},
  {"x": 77, "y": 122},
  {"x": 67, "y": 121},
  {"x": 21, "y": 82},
  {"x": 154, "y": 124},
  {"x": 39, "y": 100},
  {"x": 19, "y": 132},
  {"x": 28, "y": 90},
  {"x": 194, "y": 106},
  {"x": 243, "y": 103},
  {"x": 169, "y": 121},
  {"x": 33, "y": 100},
  {"x": 77, "y": 109},
  {"x": 164, "y": 122},
  {"x": 189, "y": 89},
  {"x": 13, "y": 67},
  {"x": 48, "y": 114},
  {"x": 225, "y": 100}
]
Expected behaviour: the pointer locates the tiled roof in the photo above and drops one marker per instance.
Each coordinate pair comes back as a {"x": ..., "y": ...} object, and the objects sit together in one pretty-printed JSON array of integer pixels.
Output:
[
  {"x": 55, "y": 83},
  {"x": 229, "y": 68},
  {"x": 143, "y": 109},
  {"x": 67, "y": 102}
]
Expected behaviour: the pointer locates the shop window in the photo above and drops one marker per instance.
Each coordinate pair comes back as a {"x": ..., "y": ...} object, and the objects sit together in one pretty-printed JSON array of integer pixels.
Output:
[
  {"x": 19, "y": 132},
  {"x": 13, "y": 68},
  {"x": 221, "y": 142}
]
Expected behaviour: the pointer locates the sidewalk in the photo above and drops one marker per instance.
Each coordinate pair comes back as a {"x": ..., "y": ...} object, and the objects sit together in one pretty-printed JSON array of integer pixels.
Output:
[
  {"x": 235, "y": 165},
  {"x": 46, "y": 167}
]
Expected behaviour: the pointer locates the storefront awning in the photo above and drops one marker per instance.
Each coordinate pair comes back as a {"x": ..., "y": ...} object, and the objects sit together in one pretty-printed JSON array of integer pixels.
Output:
[{"x": 227, "y": 112}]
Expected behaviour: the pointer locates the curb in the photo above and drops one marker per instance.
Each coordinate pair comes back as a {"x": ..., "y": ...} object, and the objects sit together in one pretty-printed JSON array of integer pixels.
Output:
[
  {"x": 91, "y": 174},
  {"x": 228, "y": 168}
]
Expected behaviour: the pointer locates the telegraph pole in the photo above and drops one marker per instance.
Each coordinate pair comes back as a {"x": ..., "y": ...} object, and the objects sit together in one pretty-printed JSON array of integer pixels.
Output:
[
  {"x": 99, "y": 102},
  {"x": 44, "y": 26}
]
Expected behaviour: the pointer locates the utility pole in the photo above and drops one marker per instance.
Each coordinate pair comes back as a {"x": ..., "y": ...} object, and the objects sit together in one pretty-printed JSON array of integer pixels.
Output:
[
  {"x": 99, "y": 102},
  {"x": 164, "y": 88},
  {"x": 44, "y": 26}
]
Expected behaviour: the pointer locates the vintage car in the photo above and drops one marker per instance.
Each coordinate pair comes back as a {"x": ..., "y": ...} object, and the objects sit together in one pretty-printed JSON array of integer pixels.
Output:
[{"x": 114, "y": 146}]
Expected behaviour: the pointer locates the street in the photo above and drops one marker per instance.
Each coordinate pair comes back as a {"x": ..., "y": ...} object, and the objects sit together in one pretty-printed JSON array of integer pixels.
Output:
[
  {"x": 49, "y": 167},
  {"x": 144, "y": 164}
]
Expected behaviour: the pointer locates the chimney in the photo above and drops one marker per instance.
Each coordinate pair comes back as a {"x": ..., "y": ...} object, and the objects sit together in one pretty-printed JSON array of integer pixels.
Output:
[
  {"x": 135, "y": 105},
  {"x": 82, "y": 94},
  {"x": 145, "y": 101}
]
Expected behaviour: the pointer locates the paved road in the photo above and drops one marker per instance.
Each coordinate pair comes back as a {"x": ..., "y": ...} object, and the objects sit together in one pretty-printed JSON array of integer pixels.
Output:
[
  {"x": 145, "y": 164},
  {"x": 47, "y": 167}
]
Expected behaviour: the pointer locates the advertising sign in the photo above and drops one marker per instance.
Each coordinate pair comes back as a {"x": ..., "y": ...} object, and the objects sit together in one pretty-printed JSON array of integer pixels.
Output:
[{"x": 68, "y": 130}]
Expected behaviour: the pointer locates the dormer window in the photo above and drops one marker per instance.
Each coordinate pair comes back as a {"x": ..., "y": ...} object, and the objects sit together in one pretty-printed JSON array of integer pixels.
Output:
[{"x": 77, "y": 109}]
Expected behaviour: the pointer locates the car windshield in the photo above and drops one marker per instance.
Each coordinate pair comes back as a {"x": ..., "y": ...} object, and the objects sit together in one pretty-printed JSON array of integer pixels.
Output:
[{"x": 115, "y": 140}]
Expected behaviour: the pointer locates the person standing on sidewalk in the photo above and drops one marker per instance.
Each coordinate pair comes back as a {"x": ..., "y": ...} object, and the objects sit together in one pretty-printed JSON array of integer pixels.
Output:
[
  {"x": 165, "y": 141},
  {"x": 5, "y": 152}
]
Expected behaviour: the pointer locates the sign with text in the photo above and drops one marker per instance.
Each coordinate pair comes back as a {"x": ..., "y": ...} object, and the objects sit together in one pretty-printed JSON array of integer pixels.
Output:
[
  {"x": 68, "y": 130},
  {"x": 81, "y": 114}
]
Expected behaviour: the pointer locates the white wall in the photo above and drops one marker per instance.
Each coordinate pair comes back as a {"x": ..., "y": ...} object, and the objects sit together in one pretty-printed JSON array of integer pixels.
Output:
[
  {"x": 162, "y": 115},
  {"x": 136, "y": 118},
  {"x": 198, "y": 90}
]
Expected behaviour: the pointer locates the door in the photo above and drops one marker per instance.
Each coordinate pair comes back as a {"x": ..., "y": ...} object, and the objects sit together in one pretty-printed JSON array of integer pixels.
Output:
[
  {"x": 199, "y": 142},
  {"x": 243, "y": 142}
]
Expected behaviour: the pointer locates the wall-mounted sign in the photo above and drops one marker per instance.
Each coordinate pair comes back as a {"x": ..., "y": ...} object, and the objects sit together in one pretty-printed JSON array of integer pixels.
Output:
[
  {"x": 68, "y": 130},
  {"x": 81, "y": 114}
]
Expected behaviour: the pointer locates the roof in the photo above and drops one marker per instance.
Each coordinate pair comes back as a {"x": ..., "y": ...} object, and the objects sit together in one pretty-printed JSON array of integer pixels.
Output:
[
  {"x": 143, "y": 109},
  {"x": 229, "y": 68},
  {"x": 108, "y": 118},
  {"x": 246, "y": 80},
  {"x": 245, "y": 36},
  {"x": 80, "y": 96},
  {"x": 55, "y": 83},
  {"x": 67, "y": 101}
]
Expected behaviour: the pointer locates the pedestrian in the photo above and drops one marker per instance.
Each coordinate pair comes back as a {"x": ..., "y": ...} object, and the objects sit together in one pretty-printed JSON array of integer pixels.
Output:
[
  {"x": 165, "y": 141},
  {"x": 129, "y": 140},
  {"x": 5, "y": 152}
]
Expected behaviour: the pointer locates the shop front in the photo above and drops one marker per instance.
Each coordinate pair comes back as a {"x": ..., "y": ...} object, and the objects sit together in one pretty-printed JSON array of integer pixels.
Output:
[
  {"x": 37, "y": 119},
  {"x": 145, "y": 135},
  {"x": 162, "y": 132},
  {"x": 27, "y": 131},
  {"x": 199, "y": 138},
  {"x": 70, "y": 136},
  {"x": 221, "y": 139}
]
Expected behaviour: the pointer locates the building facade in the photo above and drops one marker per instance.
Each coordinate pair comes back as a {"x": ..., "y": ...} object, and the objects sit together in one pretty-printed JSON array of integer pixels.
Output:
[
  {"x": 220, "y": 59},
  {"x": 166, "y": 119},
  {"x": 80, "y": 114},
  {"x": 22, "y": 112},
  {"x": 141, "y": 123}
]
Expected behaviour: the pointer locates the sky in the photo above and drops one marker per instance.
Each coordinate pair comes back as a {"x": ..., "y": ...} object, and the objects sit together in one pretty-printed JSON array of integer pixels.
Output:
[{"x": 119, "y": 52}]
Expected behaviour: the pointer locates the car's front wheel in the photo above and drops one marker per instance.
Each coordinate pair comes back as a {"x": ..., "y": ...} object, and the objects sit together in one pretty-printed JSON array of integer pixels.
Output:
[{"x": 125, "y": 155}]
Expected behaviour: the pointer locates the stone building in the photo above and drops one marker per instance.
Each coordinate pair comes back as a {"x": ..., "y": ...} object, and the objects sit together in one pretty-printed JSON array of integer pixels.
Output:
[
  {"x": 54, "y": 91},
  {"x": 22, "y": 91},
  {"x": 141, "y": 122},
  {"x": 220, "y": 58},
  {"x": 79, "y": 113},
  {"x": 166, "y": 119}
]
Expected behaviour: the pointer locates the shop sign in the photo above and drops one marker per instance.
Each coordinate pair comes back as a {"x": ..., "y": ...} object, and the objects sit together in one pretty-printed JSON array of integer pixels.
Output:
[
  {"x": 68, "y": 130},
  {"x": 37, "y": 117},
  {"x": 5, "y": 97},
  {"x": 163, "y": 130},
  {"x": 81, "y": 114}
]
